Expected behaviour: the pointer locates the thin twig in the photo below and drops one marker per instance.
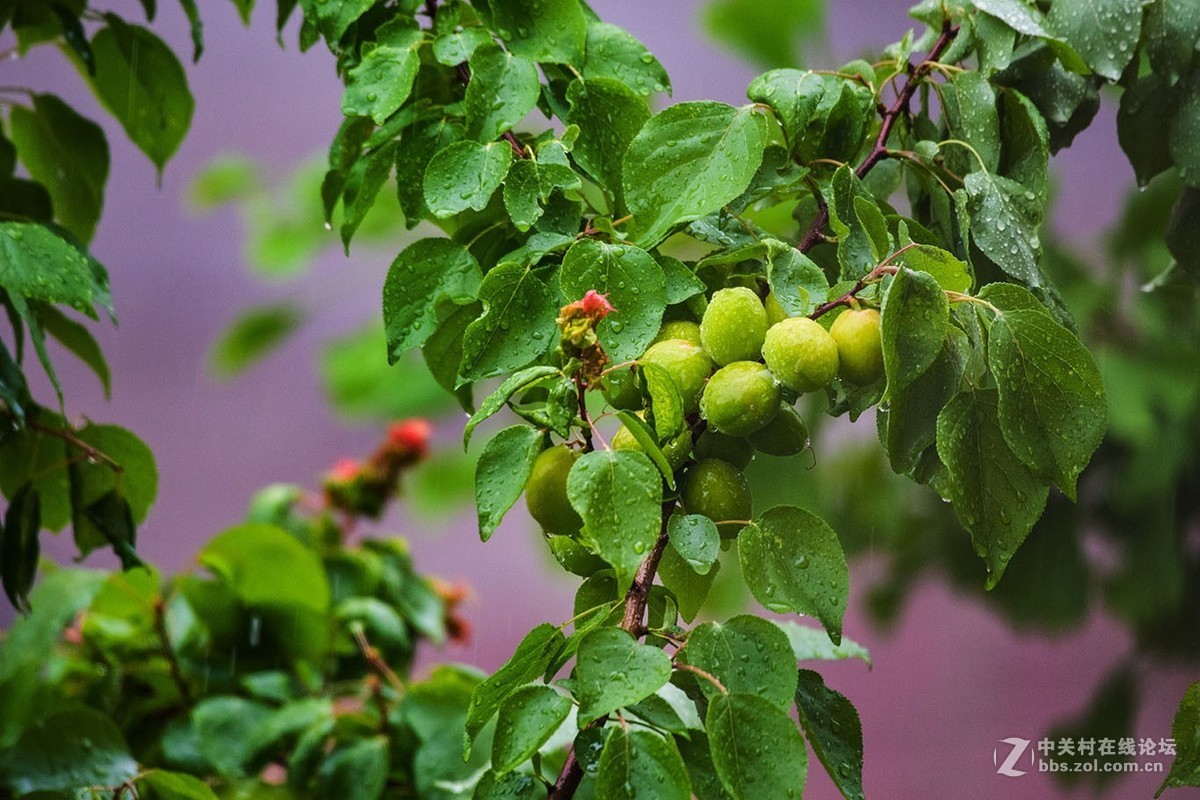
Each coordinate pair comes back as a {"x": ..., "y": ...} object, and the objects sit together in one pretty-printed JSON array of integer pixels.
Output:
[
  {"x": 708, "y": 676},
  {"x": 375, "y": 661},
  {"x": 68, "y": 436},
  {"x": 879, "y": 151}
]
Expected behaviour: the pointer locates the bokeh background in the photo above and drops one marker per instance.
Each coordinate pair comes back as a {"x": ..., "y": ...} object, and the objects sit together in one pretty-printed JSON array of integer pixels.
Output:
[{"x": 950, "y": 679}]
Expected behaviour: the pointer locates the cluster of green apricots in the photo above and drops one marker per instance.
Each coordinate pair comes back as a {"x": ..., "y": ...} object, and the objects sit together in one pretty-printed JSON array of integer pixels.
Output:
[{"x": 738, "y": 372}]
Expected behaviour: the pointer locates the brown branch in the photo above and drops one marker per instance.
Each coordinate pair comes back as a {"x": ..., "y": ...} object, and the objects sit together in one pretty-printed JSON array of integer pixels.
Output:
[
  {"x": 68, "y": 436},
  {"x": 879, "y": 152},
  {"x": 884, "y": 268},
  {"x": 581, "y": 397},
  {"x": 708, "y": 676},
  {"x": 375, "y": 661},
  {"x": 160, "y": 627}
]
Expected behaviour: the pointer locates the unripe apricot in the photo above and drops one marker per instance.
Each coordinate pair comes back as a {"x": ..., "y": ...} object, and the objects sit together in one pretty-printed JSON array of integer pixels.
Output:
[
  {"x": 775, "y": 312},
  {"x": 679, "y": 329},
  {"x": 621, "y": 390},
  {"x": 785, "y": 435},
  {"x": 687, "y": 364},
  {"x": 801, "y": 354},
  {"x": 546, "y": 491},
  {"x": 736, "y": 451},
  {"x": 860, "y": 346},
  {"x": 740, "y": 398},
  {"x": 734, "y": 326},
  {"x": 719, "y": 491}
]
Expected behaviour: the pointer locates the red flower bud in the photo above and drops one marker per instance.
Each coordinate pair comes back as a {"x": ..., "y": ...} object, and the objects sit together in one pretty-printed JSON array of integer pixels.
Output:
[
  {"x": 411, "y": 435},
  {"x": 344, "y": 471}
]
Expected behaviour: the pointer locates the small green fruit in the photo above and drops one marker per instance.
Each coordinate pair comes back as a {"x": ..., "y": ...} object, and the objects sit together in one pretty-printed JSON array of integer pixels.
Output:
[
  {"x": 546, "y": 491},
  {"x": 734, "y": 326},
  {"x": 676, "y": 449},
  {"x": 736, "y": 451},
  {"x": 621, "y": 389},
  {"x": 679, "y": 329},
  {"x": 801, "y": 354},
  {"x": 740, "y": 398},
  {"x": 860, "y": 348},
  {"x": 687, "y": 364},
  {"x": 719, "y": 491},
  {"x": 785, "y": 435},
  {"x": 775, "y": 312}
]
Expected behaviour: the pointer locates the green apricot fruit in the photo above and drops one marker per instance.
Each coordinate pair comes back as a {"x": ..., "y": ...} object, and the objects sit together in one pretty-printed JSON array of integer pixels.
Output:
[
  {"x": 785, "y": 435},
  {"x": 546, "y": 491},
  {"x": 734, "y": 326},
  {"x": 621, "y": 390},
  {"x": 675, "y": 449},
  {"x": 719, "y": 491},
  {"x": 801, "y": 354},
  {"x": 860, "y": 347},
  {"x": 775, "y": 312},
  {"x": 740, "y": 398},
  {"x": 736, "y": 451},
  {"x": 687, "y": 364},
  {"x": 679, "y": 329}
]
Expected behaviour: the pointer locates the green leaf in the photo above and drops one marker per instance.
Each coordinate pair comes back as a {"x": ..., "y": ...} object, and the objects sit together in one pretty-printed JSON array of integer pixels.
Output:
[
  {"x": 682, "y": 282},
  {"x": 68, "y": 749},
  {"x": 612, "y": 670},
  {"x": 517, "y": 382},
  {"x": 333, "y": 17},
  {"x": 797, "y": 282},
  {"x": 1025, "y": 143},
  {"x": 164, "y": 785},
  {"x": 834, "y": 730},
  {"x": 251, "y": 337},
  {"x": 501, "y": 473},
  {"x": 609, "y": 115},
  {"x": 530, "y": 660},
  {"x": 1148, "y": 107},
  {"x": 266, "y": 567},
  {"x": 1172, "y": 28},
  {"x": 858, "y": 244},
  {"x": 666, "y": 404},
  {"x": 1104, "y": 32},
  {"x": 1183, "y": 232},
  {"x": 67, "y": 154},
  {"x": 455, "y": 43},
  {"x": 695, "y": 538},
  {"x": 425, "y": 140},
  {"x": 618, "y": 493},
  {"x": 971, "y": 116},
  {"x": 793, "y": 562},
  {"x": 361, "y": 386},
  {"x": 995, "y": 495},
  {"x": 769, "y": 33},
  {"x": 1184, "y": 130},
  {"x": 383, "y": 78},
  {"x": 811, "y": 644},
  {"x": 1028, "y": 20},
  {"x": 910, "y": 420},
  {"x": 427, "y": 274},
  {"x": 25, "y": 200},
  {"x": 229, "y": 732},
  {"x": 517, "y": 326},
  {"x": 613, "y": 52},
  {"x": 950, "y": 272},
  {"x": 19, "y": 546},
  {"x": 634, "y": 284},
  {"x": 1185, "y": 730},
  {"x": 14, "y": 393},
  {"x": 747, "y": 655},
  {"x": 697, "y": 755},
  {"x": 1005, "y": 217},
  {"x": 688, "y": 161},
  {"x": 465, "y": 175},
  {"x": 553, "y": 33},
  {"x": 195, "y": 26},
  {"x": 1052, "y": 408},
  {"x": 689, "y": 587},
  {"x": 91, "y": 483},
  {"x": 142, "y": 84},
  {"x": 914, "y": 321},
  {"x": 648, "y": 442},
  {"x": 756, "y": 748},
  {"x": 823, "y": 116},
  {"x": 503, "y": 89},
  {"x": 528, "y": 718},
  {"x": 641, "y": 763},
  {"x": 522, "y": 189},
  {"x": 112, "y": 517},
  {"x": 79, "y": 340},
  {"x": 511, "y": 786}
]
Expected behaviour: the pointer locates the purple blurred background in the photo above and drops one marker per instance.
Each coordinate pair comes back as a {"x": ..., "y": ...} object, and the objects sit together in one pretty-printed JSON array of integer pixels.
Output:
[{"x": 948, "y": 683}]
